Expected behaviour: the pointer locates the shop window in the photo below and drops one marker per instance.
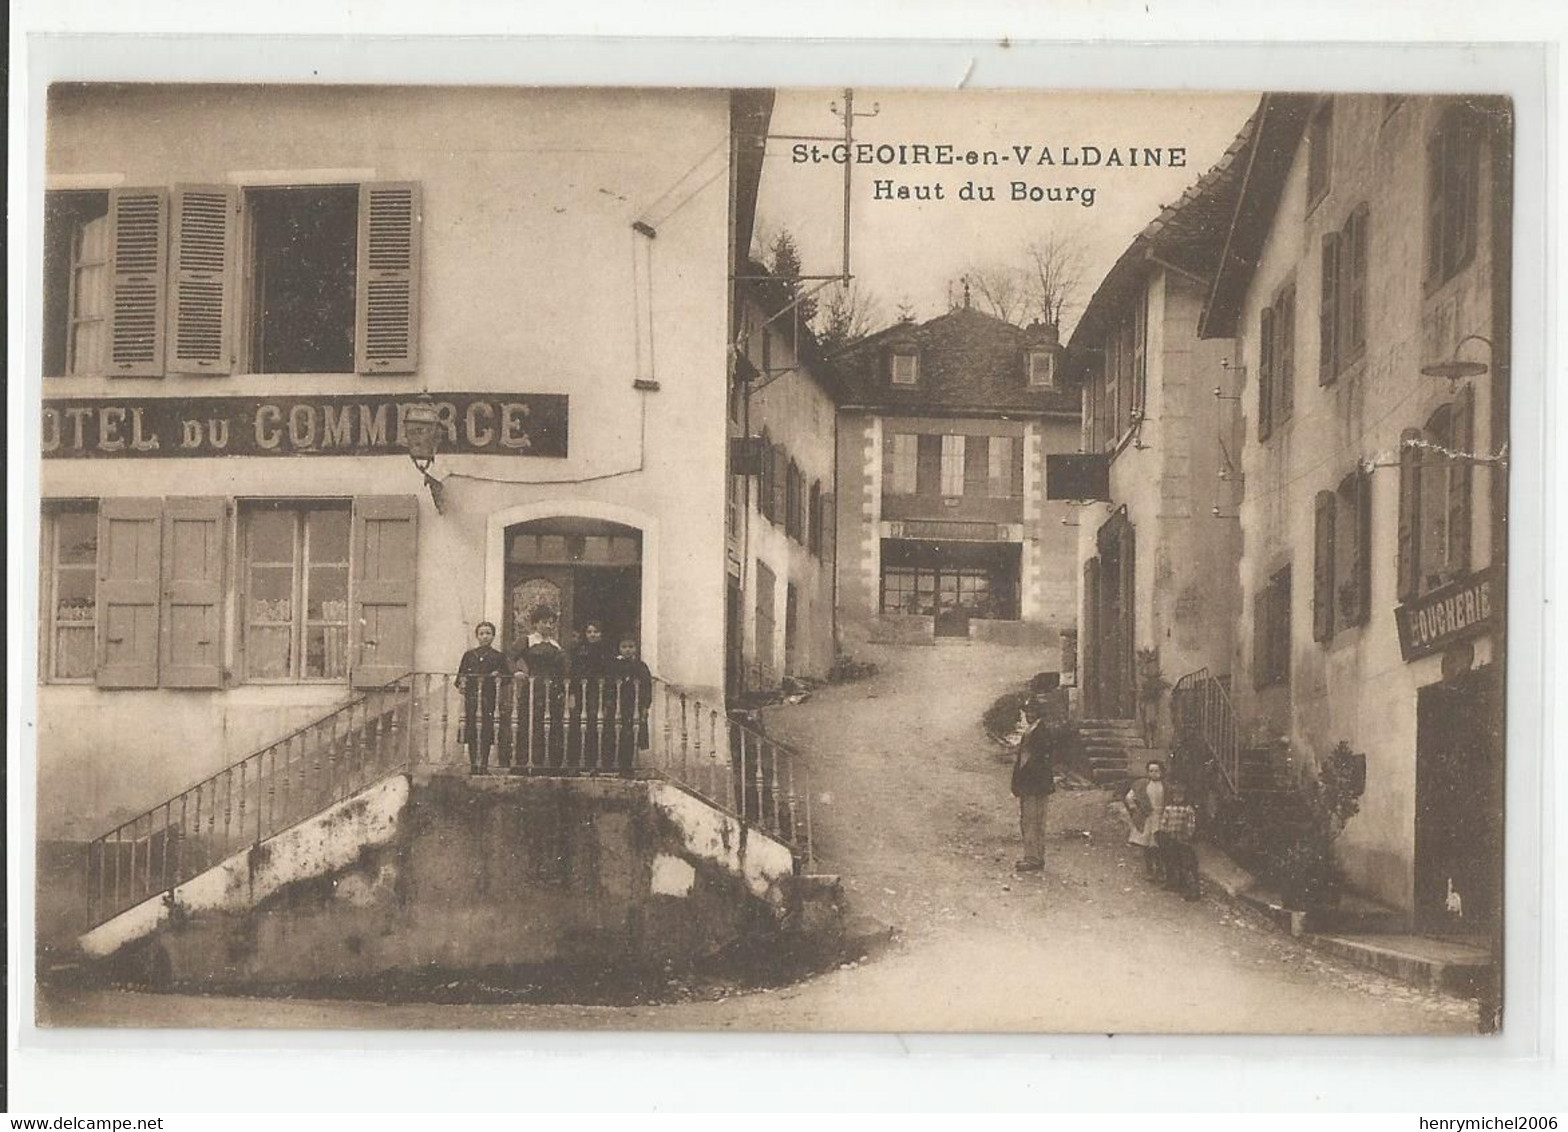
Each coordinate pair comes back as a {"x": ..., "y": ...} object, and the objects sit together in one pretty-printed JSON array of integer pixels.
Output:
[
  {"x": 952, "y": 465},
  {"x": 1277, "y": 361},
  {"x": 1452, "y": 178},
  {"x": 1434, "y": 498},
  {"x": 296, "y": 583},
  {"x": 1320, "y": 152},
  {"x": 1271, "y": 632},
  {"x": 905, "y": 367},
  {"x": 1342, "y": 315},
  {"x": 76, "y": 283},
  {"x": 900, "y": 592},
  {"x": 70, "y": 591}
]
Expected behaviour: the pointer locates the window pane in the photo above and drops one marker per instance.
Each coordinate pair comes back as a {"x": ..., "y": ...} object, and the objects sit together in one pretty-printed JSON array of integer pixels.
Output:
[
  {"x": 272, "y": 536},
  {"x": 271, "y": 593},
  {"x": 326, "y": 652},
  {"x": 73, "y": 651},
  {"x": 328, "y": 594},
  {"x": 952, "y": 465},
  {"x": 305, "y": 264},
  {"x": 268, "y": 651},
  {"x": 76, "y": 537},
  {"x": 75, "y": 594},
  {"x": 327, "y": 533}
]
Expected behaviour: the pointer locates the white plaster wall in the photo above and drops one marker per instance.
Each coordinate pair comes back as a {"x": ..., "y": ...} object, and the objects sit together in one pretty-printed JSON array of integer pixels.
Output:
[
  {"x": 526, "y": 287},
  {"x": 1357, "y": 688}
]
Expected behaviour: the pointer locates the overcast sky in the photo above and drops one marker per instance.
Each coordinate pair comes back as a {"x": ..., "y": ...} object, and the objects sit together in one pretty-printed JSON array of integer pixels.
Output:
[{"x": 908, "y": 251}]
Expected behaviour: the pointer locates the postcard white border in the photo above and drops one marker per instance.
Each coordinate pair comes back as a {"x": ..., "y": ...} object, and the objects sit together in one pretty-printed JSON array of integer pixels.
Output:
[{"x": 136, "y": 1070}]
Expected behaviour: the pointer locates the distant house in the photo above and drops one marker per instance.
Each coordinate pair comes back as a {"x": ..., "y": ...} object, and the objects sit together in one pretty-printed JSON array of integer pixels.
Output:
[{"x": 943, "y": 527}]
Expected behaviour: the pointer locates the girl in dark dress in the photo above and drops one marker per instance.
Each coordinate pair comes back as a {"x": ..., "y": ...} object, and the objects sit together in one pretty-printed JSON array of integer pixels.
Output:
[
  {"x": 633, "y": 691},
  {"x": 481, "y": 675},
  {"x": 592, "y": 698}
]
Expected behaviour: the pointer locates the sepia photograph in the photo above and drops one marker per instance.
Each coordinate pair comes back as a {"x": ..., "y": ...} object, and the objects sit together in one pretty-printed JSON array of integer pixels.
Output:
[{"x": 843, "y": 558}]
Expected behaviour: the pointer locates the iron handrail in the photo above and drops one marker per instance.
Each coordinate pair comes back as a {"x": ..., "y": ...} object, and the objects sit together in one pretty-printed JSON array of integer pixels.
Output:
[{"x": 1204, "y": 712}]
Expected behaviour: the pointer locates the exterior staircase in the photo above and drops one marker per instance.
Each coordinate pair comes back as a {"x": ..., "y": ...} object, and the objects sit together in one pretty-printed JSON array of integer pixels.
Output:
[{"x": 1115, "y": 749}]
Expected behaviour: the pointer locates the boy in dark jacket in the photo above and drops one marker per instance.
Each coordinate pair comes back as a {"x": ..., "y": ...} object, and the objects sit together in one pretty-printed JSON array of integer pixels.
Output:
[
  {"x": 484, "y": 676},
  {"x": 1033, "y": 784},
  {"x": 633, "y": 691}
]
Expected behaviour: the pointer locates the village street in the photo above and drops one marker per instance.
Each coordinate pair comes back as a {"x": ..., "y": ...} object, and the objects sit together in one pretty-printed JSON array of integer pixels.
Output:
[{"x": 913, "y": 812}]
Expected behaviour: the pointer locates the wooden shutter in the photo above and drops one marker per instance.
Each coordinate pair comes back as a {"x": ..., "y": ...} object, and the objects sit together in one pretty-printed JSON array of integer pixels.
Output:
[
  {"x": 1265, "y": 373},
  {"x": 201, "y": 308},
  {"x": 829, "y": 527},
  {"x": 977, "y": 465},
  {"x": 1017, "y": 471},
  {"x": 1262, "y": 660},
  {"x": 765, "y": 478},
  {"x": 1138, "y": 377},
  {"x": 138, "y": 264},
  {"x": 928, "y": 465},
  {"x": 780, "y": 512},
  {"x": 1285, "y": 354},
  {"x": 194, "y": 535},
  {"x": 386, "y": 325},
  {"x": 1353, "y": 291},
  {"x": 1328, "y": 312},
  {"x": 129, "y": 556},
  {"x": 1409, "y": 572},
  {"x": 384, "y": 563},
  {"x": 889, "y": 478},
  {"x": 1323, "y": 568},
  {"x": 1462, "y": 434},
  {"x": 1436, "y": 203},
  {"x": 1280, "y": 625},
  {"x": 1361, "y": 564}
]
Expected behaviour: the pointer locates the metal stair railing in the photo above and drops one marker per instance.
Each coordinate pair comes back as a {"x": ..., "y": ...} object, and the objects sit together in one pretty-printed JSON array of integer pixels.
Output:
[
  {"x": 503, "y": 724},
  {"x": 1203, "y": 713},
  {"x": 277, "y": 786}
]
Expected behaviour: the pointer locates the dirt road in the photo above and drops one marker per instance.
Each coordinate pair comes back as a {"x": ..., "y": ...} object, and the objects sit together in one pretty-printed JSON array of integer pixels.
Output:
[{"x": 912, "y": 810}]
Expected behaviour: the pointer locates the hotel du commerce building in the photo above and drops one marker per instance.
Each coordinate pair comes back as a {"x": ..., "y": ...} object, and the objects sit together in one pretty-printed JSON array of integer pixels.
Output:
[{"x": 245, "y": 292}]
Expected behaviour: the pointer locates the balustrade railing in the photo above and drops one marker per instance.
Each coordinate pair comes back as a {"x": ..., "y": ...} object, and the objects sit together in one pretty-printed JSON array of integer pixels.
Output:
[
  {"x": 491, "y": 725},
  {"x": 1203, "y": 713}
]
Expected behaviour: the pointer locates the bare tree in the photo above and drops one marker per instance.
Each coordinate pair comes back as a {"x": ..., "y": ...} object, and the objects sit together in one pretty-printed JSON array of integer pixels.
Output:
[
  {"x": 845, "y": 314},
  {"x": 1041, "y": 284}
]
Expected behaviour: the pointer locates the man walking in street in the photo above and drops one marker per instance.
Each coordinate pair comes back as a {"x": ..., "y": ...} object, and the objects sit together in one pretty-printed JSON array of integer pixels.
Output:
[{"x": 1033, "y": 784}]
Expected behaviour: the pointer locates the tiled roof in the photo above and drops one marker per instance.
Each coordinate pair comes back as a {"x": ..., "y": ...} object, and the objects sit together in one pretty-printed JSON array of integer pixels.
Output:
[
  {"x": 969, "y": 362},
  {"x": 1188, "y": 235}
]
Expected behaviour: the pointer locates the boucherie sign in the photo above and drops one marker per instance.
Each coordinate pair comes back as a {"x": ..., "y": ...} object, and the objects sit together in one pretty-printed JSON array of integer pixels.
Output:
[
  {"x": 478, "y": 424},
  {"x": 1462, "y": 609}
]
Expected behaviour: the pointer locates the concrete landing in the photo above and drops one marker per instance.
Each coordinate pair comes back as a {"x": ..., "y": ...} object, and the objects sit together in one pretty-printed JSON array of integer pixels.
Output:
[{"x": 1423, "y": 960}]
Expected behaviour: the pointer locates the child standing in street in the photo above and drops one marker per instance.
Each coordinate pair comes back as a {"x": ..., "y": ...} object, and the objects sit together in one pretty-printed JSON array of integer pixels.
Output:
[{"x": 1178, "y": 826}]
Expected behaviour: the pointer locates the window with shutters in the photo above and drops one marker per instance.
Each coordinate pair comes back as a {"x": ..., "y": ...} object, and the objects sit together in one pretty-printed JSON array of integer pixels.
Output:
[
  {"x": 1271, "y": 632},
  {"x": 295, "y": 579},
  {"x": 1352, "y": 592},
  {"x": 1342, "y": 313},
  {"x": 1277, "y": 361},
  {"x": 1452, "y": 177},
  {"x": 1320, "y": 152},
  {"x": 952, "y": 465},
  {"x": 76, "y": 283},
  {"x": 331, "y": 282},
  {"x": 1119, "y": 389},
  {"x": 902, "y": 462},
  {"x": 1004, "y": 475},
  {"x": 1435, "y": 499},
  {"x": 70, "y": 593}
]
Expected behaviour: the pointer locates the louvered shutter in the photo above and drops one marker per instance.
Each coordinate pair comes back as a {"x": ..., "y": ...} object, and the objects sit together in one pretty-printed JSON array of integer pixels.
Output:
[
  {"x": 889, "y": 477},
  {"x": 829, "y": 528},
  {"x": 1435, "y": 209},
  {"x": 1323, "y": 568},
  {"x": 1361, "y": 564},
  {"x": 1285, "y": 355},
  {"x": 194, "y": 535},
  {"x": 1353, "y": 260},
  {"x": 1463, "y": 438},
  {"x": 129, "y": 557},
  {"x": 1265, "y": 373},
  {"x": 780, "y": 513},
  {"x": 386, "y": 334},
  {"x": 138, "y": 264},
  {"x": 765, "y": 477},
  {"x": 201, "y": 307},
  {"x": 1409, "y": 572},
  {"x": 384, "y": 566},
  {"x": 928, "y": 465},
  {"x": 1016, "y": 473},
  {"x": 977, "y": 465},
  {"x": 1328, "y": 312}
]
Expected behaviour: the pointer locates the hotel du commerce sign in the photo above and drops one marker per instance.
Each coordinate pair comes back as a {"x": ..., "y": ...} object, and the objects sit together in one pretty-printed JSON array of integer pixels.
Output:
[
  {"x": 1458, "y": 611},
  {"x": 478, "y": 424}
]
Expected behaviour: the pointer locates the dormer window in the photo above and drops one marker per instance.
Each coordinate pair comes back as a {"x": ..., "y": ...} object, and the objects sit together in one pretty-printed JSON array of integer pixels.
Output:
[
  {"x": 906, "y": 368},
  {"x": 1042, "y": 369}
]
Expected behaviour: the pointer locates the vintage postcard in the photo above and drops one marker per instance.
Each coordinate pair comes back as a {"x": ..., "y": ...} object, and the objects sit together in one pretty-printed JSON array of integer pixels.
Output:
[{"x": 772, "y": 559}]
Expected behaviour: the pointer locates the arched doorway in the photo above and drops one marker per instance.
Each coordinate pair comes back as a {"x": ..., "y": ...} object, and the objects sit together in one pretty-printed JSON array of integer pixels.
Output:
[{"x": 583, "y": 569}]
